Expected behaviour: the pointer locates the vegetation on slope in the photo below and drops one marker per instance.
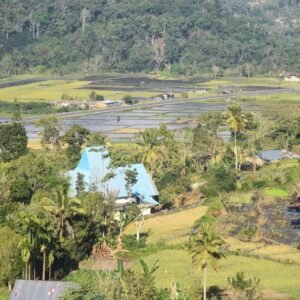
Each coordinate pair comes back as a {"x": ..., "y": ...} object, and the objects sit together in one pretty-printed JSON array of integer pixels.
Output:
[{"x": 229, "y": 36}]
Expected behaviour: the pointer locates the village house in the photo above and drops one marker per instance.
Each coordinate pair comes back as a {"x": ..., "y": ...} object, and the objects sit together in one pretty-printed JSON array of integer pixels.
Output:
[
  {"x": 291, "y": 76},
  {"x": 165, "y": 96},
  {"x": 276, "y": 155},
  {"x": 39, "y": 290},
  {"x": 82, "y": 104},
  {"x": 98, "y": 175}
]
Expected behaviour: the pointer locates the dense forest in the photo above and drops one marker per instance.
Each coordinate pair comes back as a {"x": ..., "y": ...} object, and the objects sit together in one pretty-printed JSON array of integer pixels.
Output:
[{"x": 184, "y": 36}]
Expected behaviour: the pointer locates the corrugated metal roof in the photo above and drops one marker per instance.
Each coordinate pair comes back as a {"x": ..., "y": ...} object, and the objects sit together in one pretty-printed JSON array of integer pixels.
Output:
[
  {"x": 39, "y": 290},
  {"x": 270, "y": 155},
  {"x": 95, "y": 165}
]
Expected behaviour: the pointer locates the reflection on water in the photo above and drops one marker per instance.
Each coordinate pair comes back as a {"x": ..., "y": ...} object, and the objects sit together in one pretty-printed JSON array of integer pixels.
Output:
[{"x": 130, "y": 121}]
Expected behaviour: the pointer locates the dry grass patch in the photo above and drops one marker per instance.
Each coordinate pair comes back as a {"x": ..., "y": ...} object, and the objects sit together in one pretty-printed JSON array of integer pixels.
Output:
[
  {"x": 127, "y": 130},
  {"x": 34, "y": 144},
  {"x": 170, "y": 228},
  {"x": 279, "y": 252}
]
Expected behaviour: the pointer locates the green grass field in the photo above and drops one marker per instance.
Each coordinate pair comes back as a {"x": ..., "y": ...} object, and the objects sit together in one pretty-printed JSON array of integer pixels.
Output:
[
  {"x": 54, "y": 89},
  {"x": 176, "y": 265},
  {"x": 276, "y": 192},
  {"x": 276, "y": 265},
  {"x": 4, "y": 294}
]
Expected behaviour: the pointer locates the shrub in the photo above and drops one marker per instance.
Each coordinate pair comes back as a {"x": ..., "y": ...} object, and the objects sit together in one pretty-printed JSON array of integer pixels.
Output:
[
  {"x": 92, "y": 96},
  {"x": 245, "y": 288},
  {"x": 208, "y": 219},
  {"x": 129, "y": 100},
  {"x": 246, "y": 234},
  {"x": 99, "y": 97},
  {"x": 259, "y": 184},
  {"x": 245, "y": 187},
  {"x": 209, "y": 190},
  {"x": 130, "y": 242}
]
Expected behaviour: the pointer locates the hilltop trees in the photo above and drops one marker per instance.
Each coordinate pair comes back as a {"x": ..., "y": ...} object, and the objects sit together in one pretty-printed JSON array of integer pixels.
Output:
[{"x": 63, "y": 36}]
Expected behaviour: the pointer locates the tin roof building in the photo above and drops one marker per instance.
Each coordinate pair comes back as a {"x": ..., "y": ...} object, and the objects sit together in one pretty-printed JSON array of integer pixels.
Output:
[{"x": 98, "y": 175}]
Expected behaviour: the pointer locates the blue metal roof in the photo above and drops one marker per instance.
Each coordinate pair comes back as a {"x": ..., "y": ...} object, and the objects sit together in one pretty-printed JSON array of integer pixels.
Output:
[
  {"x": 95, "y": 165},
  {"x": 270, "y": 155},
  {"x": 39, "y": 290}
]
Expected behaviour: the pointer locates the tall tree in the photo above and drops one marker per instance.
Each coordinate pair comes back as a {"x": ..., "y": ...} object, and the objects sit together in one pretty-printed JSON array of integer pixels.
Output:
[
  {"x": 80, "y": 184},
  {"x": 237, "y": 121},
  {"x": 64, "y": 209},
  {"x": 75, "y": 137},
  {"x": 149, "y": 139},
  {"x": 50, "y": 133},
  {"x": 206, "y": 248},
  {"x": 131, "y": 180},
  {"x": 13, "y": 137}
]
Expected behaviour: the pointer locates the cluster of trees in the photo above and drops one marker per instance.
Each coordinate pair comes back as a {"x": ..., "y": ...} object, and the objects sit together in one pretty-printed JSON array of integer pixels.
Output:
[
  {"x": 50, "y": 232},
  {"x": 229, "y": 36}
]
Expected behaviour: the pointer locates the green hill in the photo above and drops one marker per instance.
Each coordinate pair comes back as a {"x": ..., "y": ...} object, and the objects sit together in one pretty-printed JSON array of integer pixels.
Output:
[{"x": 184, "y": 36}]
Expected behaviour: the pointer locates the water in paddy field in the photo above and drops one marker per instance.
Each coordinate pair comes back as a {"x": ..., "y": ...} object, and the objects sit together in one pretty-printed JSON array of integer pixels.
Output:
[{"x": 122, "y": 125}]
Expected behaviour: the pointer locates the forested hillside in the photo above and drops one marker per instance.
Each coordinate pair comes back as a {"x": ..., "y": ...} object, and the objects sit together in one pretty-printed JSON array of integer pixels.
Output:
[{"x": 186, "y": 36}]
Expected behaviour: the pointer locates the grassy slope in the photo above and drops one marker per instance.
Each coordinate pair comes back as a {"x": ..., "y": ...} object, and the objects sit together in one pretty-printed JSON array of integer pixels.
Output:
[
  {"x": 53, "y": 90},
  {"x": 176, "y": 265},
  {"x": 4, "y": 294},
  {"x": 170, "y": 228}
]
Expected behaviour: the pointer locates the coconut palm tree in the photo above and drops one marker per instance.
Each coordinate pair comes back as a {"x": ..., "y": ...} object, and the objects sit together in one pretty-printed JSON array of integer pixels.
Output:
[
  {"x": 206, "y": 248},
  {"x": 64, "y": 209},
  {"x": 237, "y": 122},
  {"x": 149, "y": 139}
]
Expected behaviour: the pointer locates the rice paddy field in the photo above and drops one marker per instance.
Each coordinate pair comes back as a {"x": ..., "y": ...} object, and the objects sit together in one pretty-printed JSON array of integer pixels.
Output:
[{"x": 122, "y": 126}]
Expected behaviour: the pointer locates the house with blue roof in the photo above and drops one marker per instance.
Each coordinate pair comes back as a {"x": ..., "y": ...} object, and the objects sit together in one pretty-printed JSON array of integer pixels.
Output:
[
  {"x": 98, "y": 175},
  {"x": 276, "y": 155}
]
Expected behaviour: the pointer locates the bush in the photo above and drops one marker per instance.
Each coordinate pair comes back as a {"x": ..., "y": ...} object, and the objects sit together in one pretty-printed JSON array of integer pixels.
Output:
[
  {"x": 245, "y": 187},
  {"x": 129, "y": 100},
  {"x": 209, "y": 190},
  {"x": 245, "y": 288},
  {"x": 259, "y": 184},
  {"x": 246, "y": 234},
  {"x": 130, "y": 242},
  {"x": 207, "y": 219},
  {"x": 99, "y": 97}
]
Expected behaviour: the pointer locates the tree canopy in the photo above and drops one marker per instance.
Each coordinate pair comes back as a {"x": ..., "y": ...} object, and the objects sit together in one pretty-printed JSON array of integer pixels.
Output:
[{"x": 185, "y": 35}]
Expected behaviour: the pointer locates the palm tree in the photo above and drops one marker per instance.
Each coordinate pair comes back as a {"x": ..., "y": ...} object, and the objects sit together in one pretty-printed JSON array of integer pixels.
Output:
[
  {"x": 25, "y": 248},
  {"x": 207, "y": 249},
  {"x": 237, "y": 122},
  {"x": 64, "y": 209},
  {"x": 150, "y": 139}
]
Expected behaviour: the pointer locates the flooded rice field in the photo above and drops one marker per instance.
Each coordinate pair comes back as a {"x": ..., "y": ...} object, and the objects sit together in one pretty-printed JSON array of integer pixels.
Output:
[{"x": 119, "y": 126}]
